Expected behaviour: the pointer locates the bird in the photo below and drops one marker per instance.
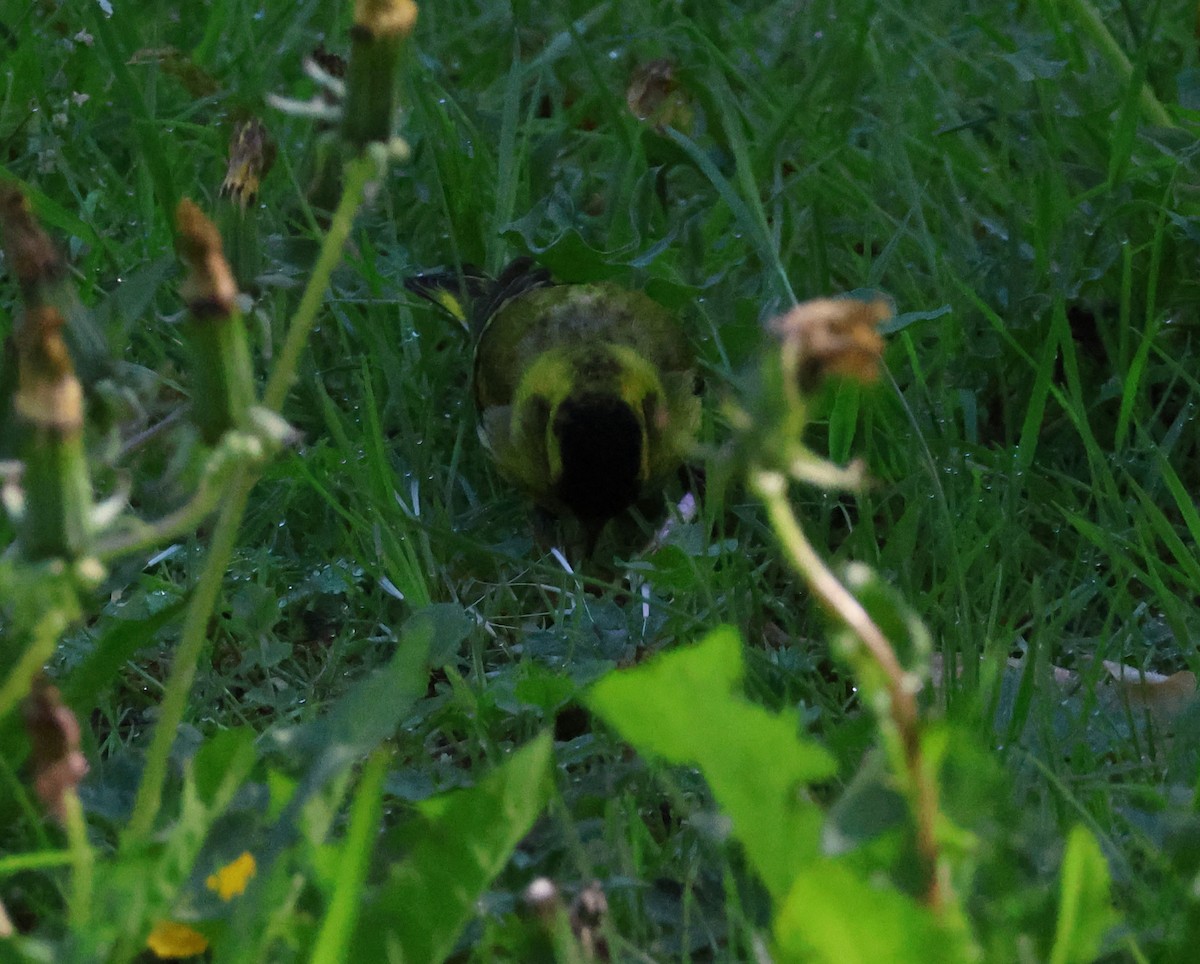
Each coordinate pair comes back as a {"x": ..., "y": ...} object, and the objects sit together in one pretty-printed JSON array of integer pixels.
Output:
[{"x": 587, "y": 394}]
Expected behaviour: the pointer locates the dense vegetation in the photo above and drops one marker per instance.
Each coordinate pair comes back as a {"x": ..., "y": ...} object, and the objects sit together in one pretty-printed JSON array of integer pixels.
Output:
[{"x": 1020, "y": 180}]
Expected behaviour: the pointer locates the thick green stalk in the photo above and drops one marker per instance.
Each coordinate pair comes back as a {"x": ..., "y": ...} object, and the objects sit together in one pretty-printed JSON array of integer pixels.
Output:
[
  {"x": 43, "y": 640},
  {"x": 83, "y": 861},
  {"x": 187, "y": 657},
  {"x": 380, "y": 27},
  {"x": 359, "y": 172},
  {"x": 223, "y": 375},
  {"x": 58, "y": 495},
  {"x": 224, "y": 538},
  {"x": 222, "y": 372}
]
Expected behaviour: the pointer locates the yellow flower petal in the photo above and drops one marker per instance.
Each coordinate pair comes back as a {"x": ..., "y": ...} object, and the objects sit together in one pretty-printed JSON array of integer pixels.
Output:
[
  {"x": 172, "y": 941},
  {"x": 230, "y": 881}
]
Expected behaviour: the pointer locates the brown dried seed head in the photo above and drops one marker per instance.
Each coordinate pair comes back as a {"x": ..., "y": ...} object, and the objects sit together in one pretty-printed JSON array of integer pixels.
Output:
[
  {"x": 29, "y": 249},
  {"x": 209, "y": 288},
  {"x": 833, "y": 336},
  {"x": 588, "y": 911},
  {"x": 251, "y": 155},
  {"x": 58, "y": 763},
  {"x": 650, "y": 84},
  {"x": 40, "y": 344},
  {"x": 654, "y": 96},
  {"x": 48, "y": 393}
]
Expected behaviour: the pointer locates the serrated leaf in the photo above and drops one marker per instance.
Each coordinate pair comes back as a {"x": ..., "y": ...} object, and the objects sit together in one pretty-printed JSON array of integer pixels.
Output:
[
  {"x": 464, "y": 840},
  {"x": 451, "y": 625},
  {"x": 362, "y": 719},
  {"x": 684, "y": 707},
  {"x": 832, "y": 915},
  {"x": 1085, "y": 911},
  {"x": 117, "y": 645}
]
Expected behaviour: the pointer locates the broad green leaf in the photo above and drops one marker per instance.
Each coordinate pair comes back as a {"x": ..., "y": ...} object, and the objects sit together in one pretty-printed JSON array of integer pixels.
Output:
[
  {"x": 543, "y": 688},
  {"x": 1085, "y": 911},
  {"x": 464, "y": 840},
  {"x": 685, "y": 708},
  {"x": 223, "y": 762},
  {"x": 832, "y": 915},
  {"x": 111, "y": 651},
  {"x": 368, "y": 714},
  {"x": 362, "y": 719}
]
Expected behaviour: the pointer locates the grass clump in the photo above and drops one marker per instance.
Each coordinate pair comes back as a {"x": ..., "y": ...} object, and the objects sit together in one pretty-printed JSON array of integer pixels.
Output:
[{"x": 332, "y": 642}]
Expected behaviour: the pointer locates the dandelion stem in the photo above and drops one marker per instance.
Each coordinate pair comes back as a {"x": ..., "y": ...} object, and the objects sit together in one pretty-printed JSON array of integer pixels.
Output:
[
  {"x": 359, "y": 172},
  {"x": 224, "y": 538},
  {"x": 771, "y": 488}
]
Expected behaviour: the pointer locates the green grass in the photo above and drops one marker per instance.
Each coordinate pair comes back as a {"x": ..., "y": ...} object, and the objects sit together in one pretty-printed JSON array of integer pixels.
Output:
[{"x": 1032, "y": 444}]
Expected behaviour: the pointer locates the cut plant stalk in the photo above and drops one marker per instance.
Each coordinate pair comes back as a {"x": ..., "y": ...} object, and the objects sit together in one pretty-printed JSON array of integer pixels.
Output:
[
  {"x": 251, "y": 156},
  {"x": 55, "y": 520},
  {"x": 358, "y": 175},
  {"x": 43, "y": 279},
  {"x": 380, "y": 27},
  {"x": 223, "y": 374}
]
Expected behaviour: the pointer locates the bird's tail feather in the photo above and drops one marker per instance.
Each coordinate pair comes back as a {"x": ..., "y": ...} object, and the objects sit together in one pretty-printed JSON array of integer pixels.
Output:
[{"x": 470, "y": 296}]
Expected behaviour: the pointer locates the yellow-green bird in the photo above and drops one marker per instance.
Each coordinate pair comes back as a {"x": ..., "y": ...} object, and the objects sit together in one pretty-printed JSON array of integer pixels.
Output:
[{"x": 586, "y": 393}]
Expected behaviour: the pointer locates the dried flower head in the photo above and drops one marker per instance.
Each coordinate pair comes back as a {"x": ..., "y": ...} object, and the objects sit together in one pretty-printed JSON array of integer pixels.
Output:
[
  {"x": 588, "y": 913},
  {"x": 384, "y": 18},
  {"x": 209, "y": 288},
  {"x": 832, "y": 336},
  {"x": 48, "y": 393},
  {"x": 649, "y": 85},
  {"x": 251, "y": 156},
  {"x": 58, "y": 763},
  {"x": 29, "y": 250},
  {"x": 655, "y": 97}
]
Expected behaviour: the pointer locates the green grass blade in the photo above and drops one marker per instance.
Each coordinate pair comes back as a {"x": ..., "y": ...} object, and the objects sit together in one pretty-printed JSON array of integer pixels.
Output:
[{"x": 365, "y": 814}]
